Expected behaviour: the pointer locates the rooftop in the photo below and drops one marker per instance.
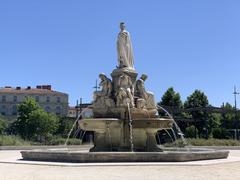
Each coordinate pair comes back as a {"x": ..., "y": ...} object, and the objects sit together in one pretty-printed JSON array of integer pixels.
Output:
[{"x": 40, "y": 89}]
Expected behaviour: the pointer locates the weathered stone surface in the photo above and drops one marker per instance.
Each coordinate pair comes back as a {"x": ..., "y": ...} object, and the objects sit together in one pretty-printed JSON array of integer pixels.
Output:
[
  {"x": 124, "y": 48},
  {"x": 84, "y": 157},
  {"x": 112, "y": 134}
]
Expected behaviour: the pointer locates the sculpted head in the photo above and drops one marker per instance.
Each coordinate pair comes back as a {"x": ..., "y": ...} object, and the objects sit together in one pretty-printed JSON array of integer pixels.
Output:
[
  {"x": 144, "y": 77},
  {"x": 102, "y": 76},
  {"x": 122, "y": 26}
]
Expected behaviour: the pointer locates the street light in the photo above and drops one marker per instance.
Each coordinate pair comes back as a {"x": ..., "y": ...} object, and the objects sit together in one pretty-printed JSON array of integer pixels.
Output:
[{"x": 235, "y": 93}]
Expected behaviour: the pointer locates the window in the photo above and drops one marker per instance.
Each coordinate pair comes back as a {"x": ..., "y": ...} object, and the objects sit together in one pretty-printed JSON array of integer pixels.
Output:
[
  {"x": 3, "y": 110},
  {"x": 37, "y": 98},
  {"x": 14, "y": 110},
  {"x": 58, "y": 110},
  {"x": 14, "y": 98},
  {"x": 48, "y": 99},
  {"x": 47, "y": 109},
  {"x": 58, "y": 99},
  {"x": 3, "y": 98}
]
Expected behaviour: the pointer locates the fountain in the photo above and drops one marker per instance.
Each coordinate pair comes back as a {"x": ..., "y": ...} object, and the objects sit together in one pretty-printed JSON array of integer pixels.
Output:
[{"x": 125, "y": 121}]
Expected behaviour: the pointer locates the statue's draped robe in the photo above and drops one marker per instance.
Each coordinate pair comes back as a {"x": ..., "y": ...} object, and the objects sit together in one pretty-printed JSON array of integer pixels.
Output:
[
  {"x": 142, "y": 93},
  {"x": 125, "y": 51}
]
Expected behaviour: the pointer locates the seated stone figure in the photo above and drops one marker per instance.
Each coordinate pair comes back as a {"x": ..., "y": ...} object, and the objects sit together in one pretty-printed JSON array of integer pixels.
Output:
[
  {"x": 124, "y": 95},
  {"x": 141, "y": 103},
  {"x": 103, "y": 98},
  {"x": 140, "y": 92}
]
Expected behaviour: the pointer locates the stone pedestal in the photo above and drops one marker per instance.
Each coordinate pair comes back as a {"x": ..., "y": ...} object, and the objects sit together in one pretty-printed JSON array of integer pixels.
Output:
[{"x": 118, "y": 72}]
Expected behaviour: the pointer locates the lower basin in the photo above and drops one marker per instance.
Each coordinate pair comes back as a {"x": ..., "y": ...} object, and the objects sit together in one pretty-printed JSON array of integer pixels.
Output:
[{"x": 168, "y": 155}]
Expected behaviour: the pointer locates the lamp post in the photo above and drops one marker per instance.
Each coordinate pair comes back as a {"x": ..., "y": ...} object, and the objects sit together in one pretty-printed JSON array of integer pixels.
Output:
[
  {"x": 235, "y": 93},
  {"x": 96, "y": 87}
]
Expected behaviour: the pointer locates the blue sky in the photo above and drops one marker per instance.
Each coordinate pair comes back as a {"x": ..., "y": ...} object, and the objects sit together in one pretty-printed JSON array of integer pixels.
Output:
[{"x": 186, "y": 44}]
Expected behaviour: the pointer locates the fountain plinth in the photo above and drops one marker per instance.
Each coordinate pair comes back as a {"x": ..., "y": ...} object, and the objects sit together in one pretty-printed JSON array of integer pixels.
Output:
[{"x": 125, "y": 121}]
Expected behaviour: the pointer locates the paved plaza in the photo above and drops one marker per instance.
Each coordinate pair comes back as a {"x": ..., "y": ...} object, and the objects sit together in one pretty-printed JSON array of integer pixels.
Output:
[{"x": 11, "y": 169}]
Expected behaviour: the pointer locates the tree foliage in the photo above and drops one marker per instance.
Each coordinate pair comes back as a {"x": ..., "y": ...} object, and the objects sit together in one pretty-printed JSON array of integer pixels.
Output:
[
  {"x": 220, "y": 133},
  {"x": 2, "y": 125},
  {"x": 42, "y": 124},
  {"x": 198, "y": 99},
  {"x": 33, "y": 121},
  {"x": 65, "y": 125},
  {"x": 190, "y": 132},
  {"x": 228, "y": 118},
  {"x": 21, "y": 126},
  {"x": 171, "y": 98}
]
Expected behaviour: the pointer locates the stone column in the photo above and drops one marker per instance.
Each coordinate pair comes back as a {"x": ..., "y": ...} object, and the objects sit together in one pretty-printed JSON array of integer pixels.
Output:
[
  {"x": 100, "y": 143},
  {"x": 151, "y": 144}
]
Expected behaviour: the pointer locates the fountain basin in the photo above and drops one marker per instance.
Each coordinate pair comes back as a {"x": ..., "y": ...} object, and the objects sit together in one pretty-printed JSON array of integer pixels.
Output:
[
  {"x": 112, "y": 134},
  {"x": 168, "y": 155}
]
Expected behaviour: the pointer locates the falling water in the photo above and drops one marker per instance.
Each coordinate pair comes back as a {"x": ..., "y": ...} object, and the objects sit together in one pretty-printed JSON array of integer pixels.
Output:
[
  {"x": 130, "y": 128},
  {"x": 76, "y": 132},
  {"x": 169, "y": 135},
  {"x": 81, "y": 134},
  {"x": 179, "y": 132},
  {"x": 74, "y": 124},
  {"x": 174, "y": 134}
]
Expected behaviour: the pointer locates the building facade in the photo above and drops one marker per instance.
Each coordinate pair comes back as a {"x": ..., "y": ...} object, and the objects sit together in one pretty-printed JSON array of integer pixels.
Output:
[
  {"x": 51, "y": 101},
  {"x": 83, "y": 109}
]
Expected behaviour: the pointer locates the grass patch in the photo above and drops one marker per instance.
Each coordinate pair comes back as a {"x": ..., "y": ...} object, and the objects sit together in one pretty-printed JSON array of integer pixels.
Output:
[
  {"x": 12, "y": 141},
  {"x": 61, "y": 141},
  {"x": 213, "y": 142},
  {"x": 204, "y": 142},
  {"x": 17, "y": 141}
]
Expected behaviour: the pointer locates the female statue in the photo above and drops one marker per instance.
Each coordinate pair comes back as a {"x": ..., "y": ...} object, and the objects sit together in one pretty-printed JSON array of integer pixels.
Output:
[{"x": 124, "y": 48}]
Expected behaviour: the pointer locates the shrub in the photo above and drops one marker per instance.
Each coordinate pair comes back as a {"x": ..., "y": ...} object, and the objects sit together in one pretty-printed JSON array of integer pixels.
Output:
[
  {"x": 220, "y": 133},
  {"x": 190, "y": 132},
  {"x": 2, "y": 125}
]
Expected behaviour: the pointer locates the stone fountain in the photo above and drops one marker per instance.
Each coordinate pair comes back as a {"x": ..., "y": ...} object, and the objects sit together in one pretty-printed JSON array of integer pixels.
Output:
[
  {"x": 125, "y": 121},
  {"x": 125, "y": 114}
]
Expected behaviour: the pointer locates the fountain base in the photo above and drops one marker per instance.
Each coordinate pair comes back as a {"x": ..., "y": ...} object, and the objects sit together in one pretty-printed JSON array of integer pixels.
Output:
[
  {"x": 112, "y": 134},
  {"x": 168, "y": 155}
]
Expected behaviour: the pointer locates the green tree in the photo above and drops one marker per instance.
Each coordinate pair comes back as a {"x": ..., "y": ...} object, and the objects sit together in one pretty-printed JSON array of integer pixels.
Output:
[
  {"x": 195, "y": 100},
  {"x": 228, "y": 118},
  {"x": 43, "y": 125},
  {"x": 172, "y": 102},
  {"x": 33, "y": 121},
  {"x": 171, "y": 98},
  {"x": 214, "y": 121},
  {"x": 21, "y": 126},
  {"x": 65, "y": 125},
  {"x": 3, "y": 125}
]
